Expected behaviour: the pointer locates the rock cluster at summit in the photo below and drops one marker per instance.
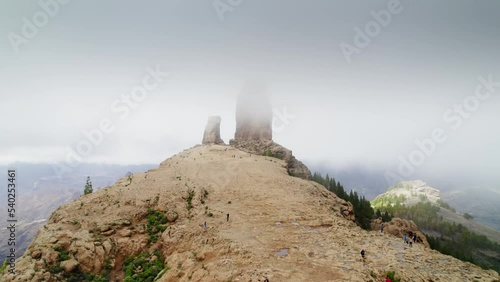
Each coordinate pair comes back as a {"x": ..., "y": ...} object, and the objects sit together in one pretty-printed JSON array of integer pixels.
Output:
[{"x": 254, "y": 134}]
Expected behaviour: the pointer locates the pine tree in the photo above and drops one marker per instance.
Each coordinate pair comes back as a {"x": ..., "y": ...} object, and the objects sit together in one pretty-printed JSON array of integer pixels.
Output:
[{"x": 88, "y": 187}]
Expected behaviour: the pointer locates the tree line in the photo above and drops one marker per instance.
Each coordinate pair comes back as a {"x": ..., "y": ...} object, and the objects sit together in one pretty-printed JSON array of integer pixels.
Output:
[
  {"x": 452, "y": 239},
  {"x": 363, "y": 210}
]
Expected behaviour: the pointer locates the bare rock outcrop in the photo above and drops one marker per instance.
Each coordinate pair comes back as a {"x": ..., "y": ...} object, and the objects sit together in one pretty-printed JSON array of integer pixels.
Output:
[
  {"x": 346, "y": 209},
  {"x": 212, "y": 131},
  {"x": 254, "y": 117},
  {"x": 399, "y": 227},
  {"x": 69, "y": 265},
  {"x": 254, "y": 114}
]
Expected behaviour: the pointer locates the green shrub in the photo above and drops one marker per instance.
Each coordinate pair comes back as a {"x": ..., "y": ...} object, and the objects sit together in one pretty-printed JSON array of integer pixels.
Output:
[
  {"x": 189, "y": 199},
  {"x": 143, "y": 267},
  {"x": 392, "y": 275},
  {"x": 468, "y": 216},
  {"x": 56, "y": 269},
  {"x": 271, "y": 154},
  {"x": 155, "y": 221},
  {"x": 4, "y": 266}
]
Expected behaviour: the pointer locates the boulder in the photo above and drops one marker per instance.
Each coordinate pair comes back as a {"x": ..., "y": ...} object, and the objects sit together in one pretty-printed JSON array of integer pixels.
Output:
[
  {"x": 125, "y": 233},
  {"x": 36, "y": 254},
  {"x": 347, "y": 210},
  {"x": 69, "y": 265},
  {"x": 172, "y": 216}
]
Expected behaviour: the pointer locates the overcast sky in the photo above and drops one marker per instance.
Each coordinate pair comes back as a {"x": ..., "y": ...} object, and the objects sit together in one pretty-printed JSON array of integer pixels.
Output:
[{"x": 367, "y": 110}]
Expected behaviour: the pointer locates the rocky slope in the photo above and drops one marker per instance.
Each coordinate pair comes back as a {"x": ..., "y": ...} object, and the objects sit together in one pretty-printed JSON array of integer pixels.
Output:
[
  {"x": 280, "y": 227},
  {"x": 43, "y": 192},
  {"x": 412, "y": 192}
]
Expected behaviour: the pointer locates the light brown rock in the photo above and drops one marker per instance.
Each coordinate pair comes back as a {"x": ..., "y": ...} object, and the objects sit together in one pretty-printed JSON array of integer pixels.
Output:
[
  {"x": 254, "y": 114},
  {"x": 69, "y": 265},
  {"x": 172, "y": 216},
  {"x": 125, "y": 233},
  {"x": 399, "y": 227},
  {"x": 212, "y": 131}
]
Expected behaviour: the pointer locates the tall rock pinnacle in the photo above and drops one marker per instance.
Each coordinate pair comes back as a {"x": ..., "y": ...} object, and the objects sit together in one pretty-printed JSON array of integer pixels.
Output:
[
  {"x": 212, "y": 131},
  {"x": 254, "y": 117},
  {"x": 254, "y": 114}
]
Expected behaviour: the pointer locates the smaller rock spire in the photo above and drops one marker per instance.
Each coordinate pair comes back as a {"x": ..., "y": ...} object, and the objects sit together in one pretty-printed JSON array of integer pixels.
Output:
[{"x": 212, "y": 131}]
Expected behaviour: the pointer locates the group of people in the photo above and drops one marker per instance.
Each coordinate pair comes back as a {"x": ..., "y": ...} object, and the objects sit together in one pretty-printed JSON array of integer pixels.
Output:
[{"x": 410, "y": 239}]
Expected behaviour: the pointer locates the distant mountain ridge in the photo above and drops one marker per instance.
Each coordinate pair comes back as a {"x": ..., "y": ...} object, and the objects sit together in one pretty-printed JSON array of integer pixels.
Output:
[{"x": 408, "y": 193}]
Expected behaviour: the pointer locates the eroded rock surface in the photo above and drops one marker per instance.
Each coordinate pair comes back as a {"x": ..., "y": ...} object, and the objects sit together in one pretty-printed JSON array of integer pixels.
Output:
[
  {"x": 212, "y": 131},
  {"x": 254, "y": 118},
  {"x": 399, "y": 227},
  {"x": 254, "y": 114}
]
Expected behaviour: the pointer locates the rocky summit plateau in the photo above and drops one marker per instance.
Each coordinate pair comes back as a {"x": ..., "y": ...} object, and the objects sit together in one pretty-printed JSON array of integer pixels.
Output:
[
  {"x": 240, "y": 212},
  {"x": 410, "y": 193}
]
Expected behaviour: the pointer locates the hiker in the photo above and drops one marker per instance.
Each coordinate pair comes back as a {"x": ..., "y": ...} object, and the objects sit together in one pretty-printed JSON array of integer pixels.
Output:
[
  {"x": 266, "y": 280},
  {"x": 363, "y": 254},
  {"x": 382, "y": 228},
  {"x": 404, "y": 239},
  {"x": 205, "y": 226},
  {"x": 415, "y": 237},
  {"x": 227, "y": 216},
  {"x": 388, "y": 279}
]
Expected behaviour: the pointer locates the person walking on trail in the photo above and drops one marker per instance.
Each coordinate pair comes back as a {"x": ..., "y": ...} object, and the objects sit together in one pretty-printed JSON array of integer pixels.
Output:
[
  {"x": 404, "y": 239},
  {"x": 382, "y": 228},
  {"x": 363, "y": 254},
  {"x": 205, "y": 226},
  {"x": 388, "y": 279},
  {"x": 227, "y": 216}
]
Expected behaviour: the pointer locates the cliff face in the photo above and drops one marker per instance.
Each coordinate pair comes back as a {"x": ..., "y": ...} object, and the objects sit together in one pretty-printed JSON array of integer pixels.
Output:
[{"x": 280, "y": 227}]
